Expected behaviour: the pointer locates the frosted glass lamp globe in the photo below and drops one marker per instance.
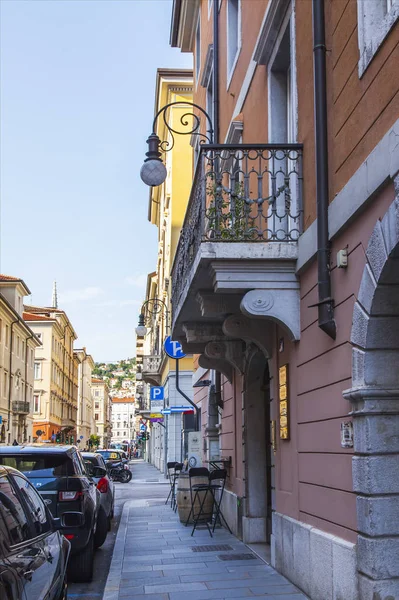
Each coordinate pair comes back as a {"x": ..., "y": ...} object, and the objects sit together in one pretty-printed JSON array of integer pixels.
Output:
[{"x": 153, "y": 172}]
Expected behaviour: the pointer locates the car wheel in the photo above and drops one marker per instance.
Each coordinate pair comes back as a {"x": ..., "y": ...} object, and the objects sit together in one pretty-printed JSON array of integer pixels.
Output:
[
  {"x": 102, "y": 528},
  {"x": 80, "y": 566},
  {"x": 126, "y": 477}
]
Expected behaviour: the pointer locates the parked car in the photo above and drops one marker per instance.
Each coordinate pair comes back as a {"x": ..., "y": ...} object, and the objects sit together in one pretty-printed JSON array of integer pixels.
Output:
[
  {"x": 111, "y": 454},
  {"x": 59, "y": 475},
  {"x": 104, "y": 483},
  {"x": 33, "y": 553}
]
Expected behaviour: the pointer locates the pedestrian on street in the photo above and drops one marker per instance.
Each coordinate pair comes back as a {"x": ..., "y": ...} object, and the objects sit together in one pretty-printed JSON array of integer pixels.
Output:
[{"x": 15, "y": 443}]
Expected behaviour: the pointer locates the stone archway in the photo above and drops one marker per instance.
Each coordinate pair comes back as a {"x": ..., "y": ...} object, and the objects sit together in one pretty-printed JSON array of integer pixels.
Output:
[{"x": 375, "y": 409}]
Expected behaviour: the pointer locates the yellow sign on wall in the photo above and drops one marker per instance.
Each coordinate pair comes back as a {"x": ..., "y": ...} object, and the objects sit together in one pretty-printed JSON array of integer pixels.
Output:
[{"x": 283, "y": 402}]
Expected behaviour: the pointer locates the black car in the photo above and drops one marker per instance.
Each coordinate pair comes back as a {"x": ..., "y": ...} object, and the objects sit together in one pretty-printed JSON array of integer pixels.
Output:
[
  {"x": 33, "y": 553},
  {"x": 59, "y": 474}
]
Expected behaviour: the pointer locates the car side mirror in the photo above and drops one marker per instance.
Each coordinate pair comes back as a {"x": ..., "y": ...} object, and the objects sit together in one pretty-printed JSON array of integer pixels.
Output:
[{"x": 99, "y": 472}]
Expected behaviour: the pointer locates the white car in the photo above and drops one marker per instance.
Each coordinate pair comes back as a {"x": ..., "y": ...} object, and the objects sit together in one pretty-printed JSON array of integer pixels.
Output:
[{"x": 104, "y": 484}]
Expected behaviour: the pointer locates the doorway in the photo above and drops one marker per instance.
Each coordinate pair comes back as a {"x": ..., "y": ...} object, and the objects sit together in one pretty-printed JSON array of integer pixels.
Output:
[{"x": 257, "y": 517}]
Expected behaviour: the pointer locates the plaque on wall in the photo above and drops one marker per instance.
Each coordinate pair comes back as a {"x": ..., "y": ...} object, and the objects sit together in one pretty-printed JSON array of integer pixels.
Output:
[{"x": 283, "y": 399}]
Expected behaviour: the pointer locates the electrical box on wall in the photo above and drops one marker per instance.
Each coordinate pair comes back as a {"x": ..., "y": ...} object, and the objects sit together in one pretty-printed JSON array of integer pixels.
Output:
[{"x": 342, "y": 258}]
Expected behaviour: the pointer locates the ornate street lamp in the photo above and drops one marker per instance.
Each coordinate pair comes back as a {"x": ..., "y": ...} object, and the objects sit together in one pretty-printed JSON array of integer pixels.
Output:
[
  {"x": 151, "y": 307},
  {"x": 153, "y": 172}
]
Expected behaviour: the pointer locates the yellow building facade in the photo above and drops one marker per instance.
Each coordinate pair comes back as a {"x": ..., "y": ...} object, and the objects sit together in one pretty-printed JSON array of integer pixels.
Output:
[{"x": 166, "y": 210}]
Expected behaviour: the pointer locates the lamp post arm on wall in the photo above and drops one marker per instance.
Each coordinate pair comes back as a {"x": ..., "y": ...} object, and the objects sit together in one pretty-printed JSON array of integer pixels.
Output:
[
  {"x": 149, "y": 308},
  {"x": 153, "y": 172}
]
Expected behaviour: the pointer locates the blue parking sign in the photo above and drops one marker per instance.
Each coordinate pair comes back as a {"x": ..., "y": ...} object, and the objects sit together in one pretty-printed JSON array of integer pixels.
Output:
[
  {"x": 173, "y": 349},
  {"x": 157, "y": 393}
]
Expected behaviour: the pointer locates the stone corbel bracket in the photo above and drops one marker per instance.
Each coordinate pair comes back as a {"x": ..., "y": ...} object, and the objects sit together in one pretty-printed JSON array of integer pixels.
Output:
[
  {"x": 281, "y": 306},
  {"x": 232, "y": 352},
  {"x": 218, "y": 365},
  {"x": 260, "y": 333}
]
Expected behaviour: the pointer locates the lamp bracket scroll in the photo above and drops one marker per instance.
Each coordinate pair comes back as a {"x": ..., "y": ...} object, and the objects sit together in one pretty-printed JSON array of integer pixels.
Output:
[
  {"x": 149, "y": 309},
  {"x": 153, "y": 172}
]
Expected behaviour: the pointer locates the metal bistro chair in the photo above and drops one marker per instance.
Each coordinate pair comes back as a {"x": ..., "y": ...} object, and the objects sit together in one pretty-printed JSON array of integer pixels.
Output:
[
  {"x": 217, "y": 482},
  {"x": 176, "y": 473},
  {"x": 173, "y": 473},
  {"x": 196, "y": 488},
  {"x": 170, "y": 466}
]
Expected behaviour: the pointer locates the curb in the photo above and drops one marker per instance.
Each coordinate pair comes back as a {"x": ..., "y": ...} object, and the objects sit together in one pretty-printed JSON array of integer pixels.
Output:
[{"x": 112, "y": 586}]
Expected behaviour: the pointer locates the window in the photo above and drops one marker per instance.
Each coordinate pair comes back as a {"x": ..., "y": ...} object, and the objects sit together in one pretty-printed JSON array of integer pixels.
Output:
[
  {"x": 23, "y": 350},
  {"x": 198, "y": 48},
  {"x": 281, "y": 99},
  {"x": 96, "y": 393},
  {"x": 35, "y": 505},
  {"x": 5, "y": 385},
  {"x": 375, "y": 20},
  {"x": 96, "y": 417},
  {"x": 7, "y": 337},
  {"x": 36, "y": 403},
  {"x": 37, "y": 370},
  {"x": 233, "y": 36},
  {"x": 31, "y": 356},
  {"x": 96, "y": 405},
  {"x": 18, "y": 345},
  {"x": 283, "y": 115},
  {"x": 14, "y": 527}
]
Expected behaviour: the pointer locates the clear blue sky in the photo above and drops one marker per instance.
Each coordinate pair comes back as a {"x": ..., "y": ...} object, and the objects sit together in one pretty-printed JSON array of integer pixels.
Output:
[{"x": 77, "y": 100}]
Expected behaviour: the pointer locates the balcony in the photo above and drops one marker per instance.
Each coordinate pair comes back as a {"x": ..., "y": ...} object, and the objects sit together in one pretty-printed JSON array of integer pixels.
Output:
[
  {"x": 151, "y": 369},
  {"x": 20, "y": 408},
  {"x": 238, "y": 245}
]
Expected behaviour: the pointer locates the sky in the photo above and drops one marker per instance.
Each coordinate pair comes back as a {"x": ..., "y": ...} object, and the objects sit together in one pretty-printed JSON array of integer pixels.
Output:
[{"x": 77, "y": 86}]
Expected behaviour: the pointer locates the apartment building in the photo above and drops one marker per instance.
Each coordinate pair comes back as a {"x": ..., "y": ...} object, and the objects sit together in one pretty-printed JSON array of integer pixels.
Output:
[
  {"x": 17, "y": 350},
  {"x": 123, "y": 419},
  {"x": 102, "y": 411},
  {"x": 85, "y": 416},
  {"x": 55, "y": 402},
  {"x": 284, "y": 282}
]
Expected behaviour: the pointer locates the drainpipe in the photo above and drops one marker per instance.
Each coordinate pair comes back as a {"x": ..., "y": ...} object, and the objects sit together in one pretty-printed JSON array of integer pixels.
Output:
[
  {"x": 10, "y": 374},
  {"x": 325, "y": 302},
  {"x": 185, "y": 396},
  {"x": 215, "y": 83}
]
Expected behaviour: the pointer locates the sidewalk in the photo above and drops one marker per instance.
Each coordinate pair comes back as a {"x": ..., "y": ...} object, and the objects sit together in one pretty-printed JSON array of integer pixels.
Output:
[{"x": 155, "y": 558}]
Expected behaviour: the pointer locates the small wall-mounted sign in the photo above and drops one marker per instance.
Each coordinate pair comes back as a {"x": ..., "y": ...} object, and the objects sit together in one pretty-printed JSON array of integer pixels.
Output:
[
  {"x": 283, "y": 402},
  {"x": 347, "y": 434}
]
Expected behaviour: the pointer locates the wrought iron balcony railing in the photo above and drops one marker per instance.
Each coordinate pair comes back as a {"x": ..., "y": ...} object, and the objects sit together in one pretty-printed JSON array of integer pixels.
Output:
[
  {"x": 151, "y": 364},
  {"x": 240, "y": 193},
  {"x": 20, "y": 407}
]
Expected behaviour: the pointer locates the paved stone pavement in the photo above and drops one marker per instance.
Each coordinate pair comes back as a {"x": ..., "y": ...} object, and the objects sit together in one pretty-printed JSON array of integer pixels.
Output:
[{"x": 154, "y": 560}]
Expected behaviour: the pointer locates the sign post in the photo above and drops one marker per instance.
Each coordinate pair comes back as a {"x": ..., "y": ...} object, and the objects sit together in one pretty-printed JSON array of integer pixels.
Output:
[{"x": 175, "y": 350}]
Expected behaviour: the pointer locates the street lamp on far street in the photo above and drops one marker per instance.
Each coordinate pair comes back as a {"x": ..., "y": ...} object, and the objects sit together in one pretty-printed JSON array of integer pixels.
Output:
[{"x": 150, "y": 308}]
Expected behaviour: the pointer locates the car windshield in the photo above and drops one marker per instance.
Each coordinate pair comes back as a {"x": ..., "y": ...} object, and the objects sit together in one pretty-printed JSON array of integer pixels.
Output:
[
  {"x": 110, "y": 454},
  {"x": 40, "y": 465}
]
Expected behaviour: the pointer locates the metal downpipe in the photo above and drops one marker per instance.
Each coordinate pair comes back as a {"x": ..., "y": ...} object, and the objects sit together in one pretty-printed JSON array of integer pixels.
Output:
[{"x": 325, "y": 302}]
